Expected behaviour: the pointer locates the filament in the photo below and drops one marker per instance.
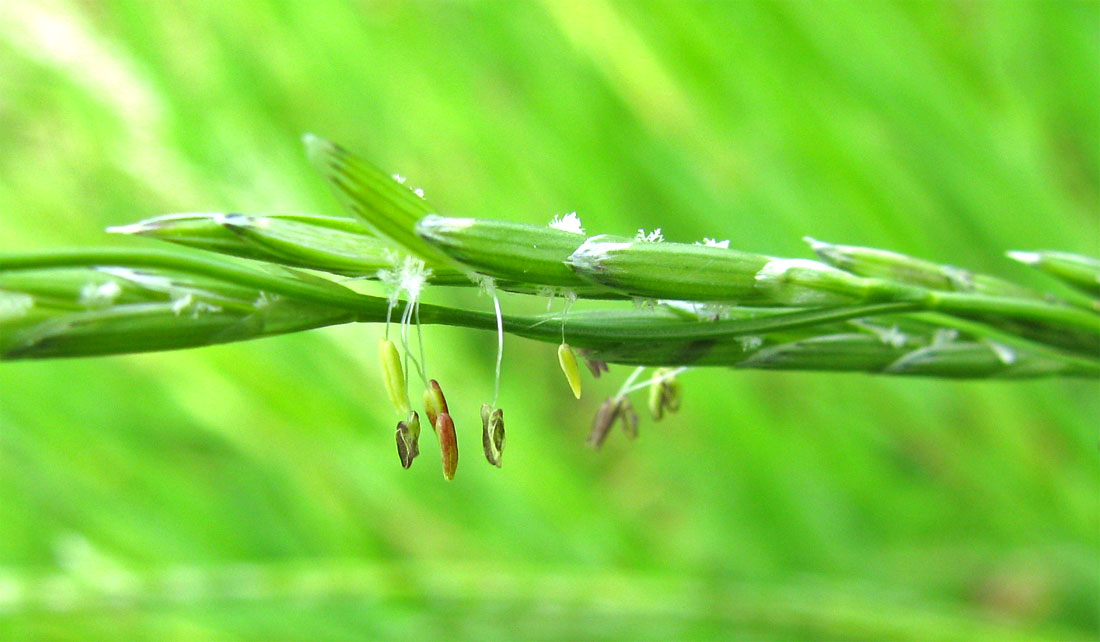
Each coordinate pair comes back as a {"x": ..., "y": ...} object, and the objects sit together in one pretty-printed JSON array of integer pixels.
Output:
[
  {"x": 389, "y": 313},
  {"x": 567, "y": 303},
  {"x": 500, "y": 347},
  {"x": 420, "y": 342},
  {"x": 624, "y": 389},
  {"x": 406, "y": 317},
  {"x": 627, "y": 389}
]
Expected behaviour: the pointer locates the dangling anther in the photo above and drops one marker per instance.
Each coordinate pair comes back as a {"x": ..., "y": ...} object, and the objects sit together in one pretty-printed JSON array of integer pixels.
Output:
[
  {"x": 393, "y": 375},
  {"x": 568, "y": 362},
  {"x": 492, "y": 433},
  {"x": 435, "y": 403},
  {"x": 664, "y": 393},
  {"x": 448, "y": 444},
  {"x": 408, "y": 439},
  {"x": 595, "y": 366},
  {"x": 611, "y": 410}
]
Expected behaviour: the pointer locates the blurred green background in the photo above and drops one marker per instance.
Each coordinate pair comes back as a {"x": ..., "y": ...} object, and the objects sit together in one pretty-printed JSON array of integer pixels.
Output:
[{"x": 252, "y": 491}]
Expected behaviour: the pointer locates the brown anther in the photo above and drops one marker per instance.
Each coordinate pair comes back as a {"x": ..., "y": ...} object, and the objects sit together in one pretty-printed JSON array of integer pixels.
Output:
[
  {"x": 435, "y": 403},
  {"x": 601, "y": 425},
  {"x": 448, "y": 444},
  {"x": 594, "y": 366},
  {"x": 408, "y": 439},
  {"x": 611, "y": 410},
  {"x": 672, "y": 395},
  {"x": 492, "y": 433},
  {"x": 628, "y": 417}
]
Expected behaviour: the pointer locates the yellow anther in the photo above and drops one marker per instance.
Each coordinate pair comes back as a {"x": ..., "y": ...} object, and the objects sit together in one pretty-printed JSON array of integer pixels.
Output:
[
  {"x": 393, "y": 375},
  {"x": 568, "y": 362}
]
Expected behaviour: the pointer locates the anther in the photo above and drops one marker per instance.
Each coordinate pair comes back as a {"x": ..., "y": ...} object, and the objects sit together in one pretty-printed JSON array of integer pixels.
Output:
[
  {"x": 408, "y": 436},
  {"x": 393, "y": 375},
  {"x": 568, "y": 362},
  {"x": 492, "y": 433}
]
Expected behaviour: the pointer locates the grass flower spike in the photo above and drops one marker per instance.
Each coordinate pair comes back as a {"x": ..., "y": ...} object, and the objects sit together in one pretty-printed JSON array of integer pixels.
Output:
[{"x": 703, "y": 304}]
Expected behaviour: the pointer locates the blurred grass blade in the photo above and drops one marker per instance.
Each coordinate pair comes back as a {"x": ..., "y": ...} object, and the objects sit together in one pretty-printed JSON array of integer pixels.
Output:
[
  {"x": 1081, "y": 272},
  {"x": 378, "y": 200}
]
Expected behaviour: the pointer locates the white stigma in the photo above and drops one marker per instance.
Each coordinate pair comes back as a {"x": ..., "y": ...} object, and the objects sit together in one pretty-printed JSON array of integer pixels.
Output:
[
  {"x": 568, "y": 223},
  {"x": 99, "y": 296}
]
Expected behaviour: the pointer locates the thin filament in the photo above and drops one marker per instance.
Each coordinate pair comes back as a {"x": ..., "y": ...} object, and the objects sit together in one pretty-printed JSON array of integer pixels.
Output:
[
  {"x": 654, "y": 381},
  {"x": 406, "y": 317},
  {"x": 500, "y": 347},
  {"x": 420, "y": 342},
  {"x": 567, "y": 304},
  {"x": 630, "y": 380}
]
